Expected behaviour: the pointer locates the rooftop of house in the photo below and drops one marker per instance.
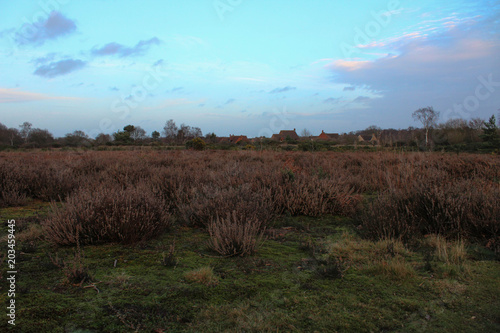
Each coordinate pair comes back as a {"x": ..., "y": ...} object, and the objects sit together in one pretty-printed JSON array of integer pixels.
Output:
[
  {"x": 331, "y": 135},
  {"x": 290, "y": 133}
]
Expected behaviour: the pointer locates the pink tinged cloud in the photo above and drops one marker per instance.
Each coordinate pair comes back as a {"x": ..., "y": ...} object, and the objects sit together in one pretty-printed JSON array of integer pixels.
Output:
[
  {"x": 422, "y": 53},
  {"x": 16, "y": 96}
]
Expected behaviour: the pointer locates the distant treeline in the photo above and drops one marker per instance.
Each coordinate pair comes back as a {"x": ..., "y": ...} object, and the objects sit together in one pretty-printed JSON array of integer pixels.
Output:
[{"x": 453, "y": 135}]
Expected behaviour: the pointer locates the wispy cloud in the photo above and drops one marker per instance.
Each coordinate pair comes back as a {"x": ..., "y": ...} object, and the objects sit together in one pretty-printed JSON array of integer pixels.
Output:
[
  {"x": 44, "y": 60},
  {"x": 59, "y": 68},
  {"x": 229, "y": 101},
  {"x": 361, "y": 99},
  {"x": 56, "y": 25},
  {"x": 188, "y": 41},
  {"x": 282, "y": 90},
  {"x": 348, "y": 65},
  {"x": 8, "y": 95},
  {"x": 124, "y": 51},
  {"x": 331, "y": 100}
]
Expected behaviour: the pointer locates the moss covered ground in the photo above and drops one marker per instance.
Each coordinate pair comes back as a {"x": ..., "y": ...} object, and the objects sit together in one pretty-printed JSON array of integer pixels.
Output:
[{"x": 309, "y": 275}]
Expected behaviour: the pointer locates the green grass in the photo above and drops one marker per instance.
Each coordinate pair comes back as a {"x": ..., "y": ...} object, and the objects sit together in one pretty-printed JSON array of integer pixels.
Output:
[{"x": 383, "y": 286}]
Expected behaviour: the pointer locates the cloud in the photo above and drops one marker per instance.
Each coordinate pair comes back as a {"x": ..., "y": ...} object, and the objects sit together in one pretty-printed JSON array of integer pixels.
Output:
[
  {"x": 281, "y": 90},
  {"x": 43, "y": 60},
  {"x": 159, "y": 62},
  {"x": 58, "y": 68},
  {"x": 14, "y": 96},
  {"x": 229, "y": 101},
  {"x": 349, "y": 89},
  {"x": 421, "y": 63},
  {"x": 361, "y": 99},
  {"x": 348, "y": 65},
  {"x": 441, "y": 70},
  {"x": 188, "y": 41},
  {"x": 331, "y": 100},
  {"x": 124, "y": 51},
  {"x": 56, "y": 25}
]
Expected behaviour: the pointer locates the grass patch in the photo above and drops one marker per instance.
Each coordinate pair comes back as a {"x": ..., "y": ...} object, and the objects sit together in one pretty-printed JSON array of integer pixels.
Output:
[{"x": 204, "y": 275}]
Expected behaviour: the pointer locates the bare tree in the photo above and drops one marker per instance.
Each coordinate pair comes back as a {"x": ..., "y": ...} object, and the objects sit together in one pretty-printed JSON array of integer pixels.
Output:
[
  {"x": 196, "y": 132},
  {"x": 138, "y": 133},
  {"x": 14, "y": 137},
  {"x": 170, "y": 130},
  {"x": 25, "y": 131},
  {"x": 305, "y": 133},
  {"x": 184, "y": 132},
  {"x": 427, "y": 116},
  {"x": 475, "y": 129}
]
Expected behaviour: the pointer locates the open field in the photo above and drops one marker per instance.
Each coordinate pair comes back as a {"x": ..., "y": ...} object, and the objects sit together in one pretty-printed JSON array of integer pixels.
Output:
[{"x": 246, "y": 241}]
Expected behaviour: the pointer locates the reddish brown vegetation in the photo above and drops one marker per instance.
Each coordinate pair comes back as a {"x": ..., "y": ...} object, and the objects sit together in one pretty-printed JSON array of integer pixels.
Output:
[
  {"x": 235, "y": 234},
  {"x": 107, "y": 214},
  {"x": 130, "y": 196}
]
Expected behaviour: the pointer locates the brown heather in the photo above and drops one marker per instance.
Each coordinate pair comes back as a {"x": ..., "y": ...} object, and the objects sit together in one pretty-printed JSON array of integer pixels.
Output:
[
  {"x": 107, "y": 214},
  {"x": 129, "y": 196},
  {"x": 235, "y": 235}
]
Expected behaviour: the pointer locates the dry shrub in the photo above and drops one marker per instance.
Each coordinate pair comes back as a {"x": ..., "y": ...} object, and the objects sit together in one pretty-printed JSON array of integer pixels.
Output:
[
  {"x": 467, "y": 209},
  {"x": 52, "y": 182},
  {"x": 12, "y": 194},
  {"x": 456, "y": 196},
  {"x": 311, "y": 196},
  {"x": 13, "y": 188},
  {"x": 107, "y": 214},
  {"x": 43, "y": 179},
  {"x": 207, "y": 202},
  {"x": 235, "y": 235}
]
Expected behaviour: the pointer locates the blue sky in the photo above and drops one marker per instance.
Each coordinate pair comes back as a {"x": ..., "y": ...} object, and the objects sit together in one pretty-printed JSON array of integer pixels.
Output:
[{"x": 246, "y": 67}]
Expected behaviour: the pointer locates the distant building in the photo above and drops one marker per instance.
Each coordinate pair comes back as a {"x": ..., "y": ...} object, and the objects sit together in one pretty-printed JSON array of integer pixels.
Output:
[
  {"x": 372, "y": 139},
  {"x": 238, "y": 138},
  {"x": 284, "y": 134},
  {"x": 223, "y": 139},
  {"x": 328, "y": 136}
]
